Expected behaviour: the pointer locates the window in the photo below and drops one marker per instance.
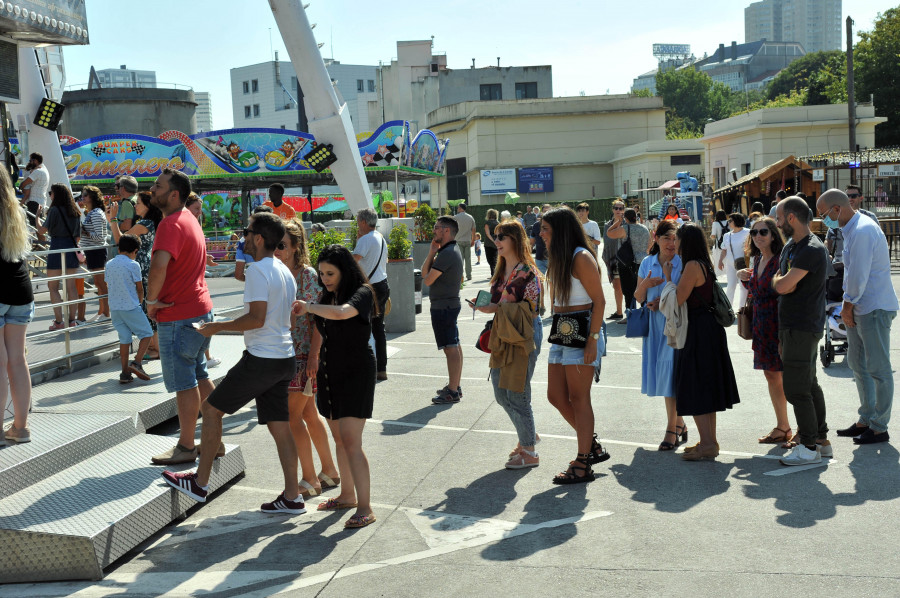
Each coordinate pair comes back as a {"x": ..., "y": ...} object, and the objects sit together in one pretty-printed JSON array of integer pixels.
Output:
[
  {"x": 246, "y": 87},
  {"x": 255, "y": 85},
  {"x": 255, "y": 110},
  {"x": 371, "y": 86},
  {"x": 282, "y": 126},
  {"x": 294, "y": 83},
  {"x": 745, "y": 169},
  {"x": 359, "y": 85},
  {"x": 525, "y": 91},
  {"x": 457, "y": 183},
  {"x": 246, "y": 111},
  {"x": 491, "y": 91},
  {"x": 685, "y": 160}
]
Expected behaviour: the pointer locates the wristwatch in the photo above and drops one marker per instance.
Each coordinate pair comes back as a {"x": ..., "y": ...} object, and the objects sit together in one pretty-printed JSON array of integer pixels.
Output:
[{"x": 596, "y": 336}]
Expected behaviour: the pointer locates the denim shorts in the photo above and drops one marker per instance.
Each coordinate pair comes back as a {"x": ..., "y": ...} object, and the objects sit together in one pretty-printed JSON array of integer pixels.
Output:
[
  {"x": 16, "y": 314},
  {"x": 181, "y": 353},
  {"x": 128, "y": 322},
  {"x": 443, "y": 322},
  {"x": 560, "y": 354}
]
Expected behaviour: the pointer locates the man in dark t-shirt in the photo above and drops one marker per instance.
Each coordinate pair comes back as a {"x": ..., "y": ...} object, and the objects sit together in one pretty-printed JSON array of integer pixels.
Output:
[{"x": 800, "y": 282}]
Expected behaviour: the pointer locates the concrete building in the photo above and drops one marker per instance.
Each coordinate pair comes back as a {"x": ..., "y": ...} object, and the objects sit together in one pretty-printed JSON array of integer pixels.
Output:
[
  {"x": 53, "y": 69},
  {"x": 204, "y": 111},
  {"x": 126, "y": 77},
  {"x": 814, "y": 24},
  {"x": 145, "y": 111},
  {"x": 577, "y": 136},
  {"x": 648, "y": 80},
  {"x": 750, "y": 141},
  {"x": 265, "y": 94},
  {"x": 418, "y": 82},
  {"x": 743, "y": 67},
  {"x": 650, "y": 164}
]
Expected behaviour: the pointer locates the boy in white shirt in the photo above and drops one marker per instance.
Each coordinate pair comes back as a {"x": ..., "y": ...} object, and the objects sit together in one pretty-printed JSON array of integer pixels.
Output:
[{"x": 125, "y": 294}]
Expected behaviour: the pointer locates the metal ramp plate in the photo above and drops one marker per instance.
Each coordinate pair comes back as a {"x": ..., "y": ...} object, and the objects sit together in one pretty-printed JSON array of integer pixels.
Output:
[
  {"x": 59, "y": 442},
  {"x": 77, "y": 522}
]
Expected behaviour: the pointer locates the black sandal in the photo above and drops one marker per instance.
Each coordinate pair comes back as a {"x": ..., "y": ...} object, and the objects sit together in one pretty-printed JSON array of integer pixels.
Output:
[
  {"x": 669, "y": 446},
  {"x": 569, "y": 476},
  {"x": 598, "y": 454}
]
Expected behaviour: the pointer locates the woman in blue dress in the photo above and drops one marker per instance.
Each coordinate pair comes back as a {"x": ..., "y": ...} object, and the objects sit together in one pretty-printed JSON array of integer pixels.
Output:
[{"x": 657, "y": 367}]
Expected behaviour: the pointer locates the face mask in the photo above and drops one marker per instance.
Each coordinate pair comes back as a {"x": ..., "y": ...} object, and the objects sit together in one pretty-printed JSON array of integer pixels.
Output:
[{"x": 830, "y": 223}]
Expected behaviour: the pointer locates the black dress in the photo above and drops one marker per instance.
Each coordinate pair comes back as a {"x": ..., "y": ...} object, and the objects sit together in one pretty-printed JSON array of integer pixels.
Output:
[
  {"x": 346, "y": 377},
  {"x": 704, "y": 378}
]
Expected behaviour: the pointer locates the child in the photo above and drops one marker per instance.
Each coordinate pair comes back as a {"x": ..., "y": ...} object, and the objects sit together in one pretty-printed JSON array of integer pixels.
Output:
[
  {"x": 478, "y": 248},
  {"x": 123, "y": 278}
]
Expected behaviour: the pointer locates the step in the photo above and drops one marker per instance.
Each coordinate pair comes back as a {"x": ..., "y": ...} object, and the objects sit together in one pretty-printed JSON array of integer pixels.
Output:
[
  {"x": 72, "y": 525},
  {"x": 59, "y": 441}
]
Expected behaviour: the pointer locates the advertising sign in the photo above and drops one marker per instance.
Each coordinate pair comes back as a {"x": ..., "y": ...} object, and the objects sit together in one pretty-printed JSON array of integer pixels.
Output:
[
  {"x": 671, "y": 49},
  {"x": 888, "y": 170},
  {"x": 818, "y": 174},
  {"x": 498, "y": 182},
  {"x": 536, "y": 180}
]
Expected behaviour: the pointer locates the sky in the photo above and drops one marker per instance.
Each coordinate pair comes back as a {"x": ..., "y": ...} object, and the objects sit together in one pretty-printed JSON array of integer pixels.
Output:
[{"x": 594, "y": 46}]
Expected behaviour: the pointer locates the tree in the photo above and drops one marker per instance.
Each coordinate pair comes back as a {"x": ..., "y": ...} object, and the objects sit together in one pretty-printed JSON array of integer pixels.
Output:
[
  {"x": 876, "y": 59},
  {"x": 797, "y": 75},
  {"x": 686, "y": 93}
]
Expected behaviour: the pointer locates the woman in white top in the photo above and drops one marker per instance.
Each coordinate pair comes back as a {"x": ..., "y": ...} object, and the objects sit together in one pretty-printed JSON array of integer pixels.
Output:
[
  {"x": 733, "y": 247},
  {"x": 573, "y": 277}
]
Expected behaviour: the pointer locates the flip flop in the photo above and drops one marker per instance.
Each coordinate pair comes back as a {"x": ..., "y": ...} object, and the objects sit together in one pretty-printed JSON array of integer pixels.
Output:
[
  {"x": 332, "y": 504},
  {"x": 307, "y": 489},
  {"x": 328, "y": 483},
  {"x": 358, "y": 521}
]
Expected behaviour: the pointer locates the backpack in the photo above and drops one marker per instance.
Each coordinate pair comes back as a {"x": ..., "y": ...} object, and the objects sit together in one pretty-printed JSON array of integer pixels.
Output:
[
  {"x": 723, "y": 226},
  {"x": 721, "y": 306}
]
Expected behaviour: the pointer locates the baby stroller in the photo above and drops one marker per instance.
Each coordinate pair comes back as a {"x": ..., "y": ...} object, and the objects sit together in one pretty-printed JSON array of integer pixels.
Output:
[{"x": 835, "y": 331}]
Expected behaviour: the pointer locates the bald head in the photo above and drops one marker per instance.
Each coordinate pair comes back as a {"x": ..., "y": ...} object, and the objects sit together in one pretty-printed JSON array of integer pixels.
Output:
[{"x": 831, "y": 198}]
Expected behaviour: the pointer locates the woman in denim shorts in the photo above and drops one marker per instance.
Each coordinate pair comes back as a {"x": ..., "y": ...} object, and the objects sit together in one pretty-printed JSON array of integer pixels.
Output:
[
  {"x": 16, "y": 311},
  {"x": 573, "y": 277}
]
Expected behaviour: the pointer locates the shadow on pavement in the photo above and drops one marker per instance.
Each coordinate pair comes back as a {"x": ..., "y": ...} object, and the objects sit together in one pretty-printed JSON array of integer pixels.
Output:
[{"x": 420, "y": 417}]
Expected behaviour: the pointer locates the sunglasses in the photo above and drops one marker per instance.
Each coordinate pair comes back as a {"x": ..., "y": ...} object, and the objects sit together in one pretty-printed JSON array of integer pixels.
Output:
[
  {"x": 118, "y": 185},
  {"x": 762, "y": 232},
  {"x": 853, "y": 195},
  {"x": 502, "y": 237},
  {"x": 247, "y": 231},
  {"x": 281, "y": 246},
  {"x": 618, "y": 209}
]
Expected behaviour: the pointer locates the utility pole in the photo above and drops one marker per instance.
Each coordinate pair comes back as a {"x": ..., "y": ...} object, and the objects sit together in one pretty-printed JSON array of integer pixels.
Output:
[{"x": 851, "y": 96}]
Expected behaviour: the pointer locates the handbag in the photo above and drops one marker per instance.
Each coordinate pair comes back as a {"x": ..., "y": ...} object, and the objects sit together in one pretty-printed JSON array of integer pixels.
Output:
[
  {"x": 638, "y": 324},
  {"x": 739, "y": 263},
  {"x": 484, "y": 337},
  {"x": 745, "y": 318},
  {"x": 387, "y": 304},
  {"x": 625, "y": 252},
  {"x": 570, "y": 329},
  {"x": 721, "y": 306}
]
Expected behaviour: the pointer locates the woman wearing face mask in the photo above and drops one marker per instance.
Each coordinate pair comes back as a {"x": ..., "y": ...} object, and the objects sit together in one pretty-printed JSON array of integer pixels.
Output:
[{"x": 765, "y": 248}]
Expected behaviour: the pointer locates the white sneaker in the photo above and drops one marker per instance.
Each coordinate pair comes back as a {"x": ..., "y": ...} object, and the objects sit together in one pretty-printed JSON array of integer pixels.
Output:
[
  {"x": 99, "y": 318},
  {"x": 212, "y": 362},
  {"x": 825, "y": 449},
  {"x": 800, "y": 455}
]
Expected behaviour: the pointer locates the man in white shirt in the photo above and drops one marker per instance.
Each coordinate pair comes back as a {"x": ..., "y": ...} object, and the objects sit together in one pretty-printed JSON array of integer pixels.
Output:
[
  {"x": 590, "y": 227},
  {"x": 263, "y": 373},
  {"x": 465, "y": 238},
  {"x": 36, "y": 188},
  {"x": 371, "y": 254}
]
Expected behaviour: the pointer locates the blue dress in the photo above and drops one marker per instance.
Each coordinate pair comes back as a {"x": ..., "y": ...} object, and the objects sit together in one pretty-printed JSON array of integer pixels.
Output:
[{"x": 658, "y": 359}]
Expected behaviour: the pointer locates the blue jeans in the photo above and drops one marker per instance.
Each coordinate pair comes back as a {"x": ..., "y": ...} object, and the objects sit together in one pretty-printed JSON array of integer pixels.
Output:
[
  {"x": 181, "y": 353},
  {"x": 542, "y": 265},
  {"x": 518, "y": 404},
  {"x": 869, "y": 358}
]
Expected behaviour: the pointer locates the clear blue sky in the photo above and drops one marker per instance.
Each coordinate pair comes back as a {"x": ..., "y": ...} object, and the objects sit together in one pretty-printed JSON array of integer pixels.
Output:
[{"x": 594, "y": 46}]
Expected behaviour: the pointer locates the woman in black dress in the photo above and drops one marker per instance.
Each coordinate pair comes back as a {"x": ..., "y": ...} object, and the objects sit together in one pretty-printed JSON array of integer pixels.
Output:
[
  {"x": 704, "y": 378},
  {"x": 346, "y": 375}
]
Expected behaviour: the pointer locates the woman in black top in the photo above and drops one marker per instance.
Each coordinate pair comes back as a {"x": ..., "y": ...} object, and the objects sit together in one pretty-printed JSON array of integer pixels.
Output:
[
  {"x": 490, "y": 250},
  {"x": 346, "y": 378},
  {"x": 63, "y": 223},
  {"x": 16, "y": 311}
]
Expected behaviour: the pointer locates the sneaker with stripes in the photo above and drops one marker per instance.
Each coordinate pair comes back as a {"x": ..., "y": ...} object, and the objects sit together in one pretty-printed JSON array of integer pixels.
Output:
[
  {"x": 186, "y": 483},
  {"x": 283, "y": 505}
]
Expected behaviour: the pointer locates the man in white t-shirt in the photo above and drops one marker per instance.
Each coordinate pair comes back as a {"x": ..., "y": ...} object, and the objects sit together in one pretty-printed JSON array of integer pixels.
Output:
[
  {"x": 591, "y": 228},
  {"x": 263, "y": 373},
  {"x": 371, "y": 254},
  {"x": 36, "y": 188},
  {"x": 465, "y": 238}
]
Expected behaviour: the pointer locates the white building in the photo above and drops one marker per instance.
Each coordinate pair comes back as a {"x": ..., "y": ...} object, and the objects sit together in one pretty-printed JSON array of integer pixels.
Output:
[
  {"x": 265, "y": 95},
  {"x": 126, "y": 77},
  {"x": 204, "y": 111},
  {"x": 815, "y": 24}
]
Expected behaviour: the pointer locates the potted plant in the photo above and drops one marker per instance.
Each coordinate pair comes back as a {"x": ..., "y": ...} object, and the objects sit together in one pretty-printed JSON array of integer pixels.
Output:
[
  {"x": 401, "y": 282},
  {"x": 424, "y": 218}
]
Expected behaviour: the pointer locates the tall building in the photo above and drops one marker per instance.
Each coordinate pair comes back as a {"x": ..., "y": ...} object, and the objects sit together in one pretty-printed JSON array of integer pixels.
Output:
[
  {"x": 204, "y": 111},
  {"x": 815, "y": 24},
  {"x": 126, "y": 77},
  {"x": 265, "y": 94}
]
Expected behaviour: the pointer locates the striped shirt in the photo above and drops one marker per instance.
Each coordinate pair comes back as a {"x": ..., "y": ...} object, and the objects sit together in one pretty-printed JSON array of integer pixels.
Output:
[{"x": 94, "y": 229}]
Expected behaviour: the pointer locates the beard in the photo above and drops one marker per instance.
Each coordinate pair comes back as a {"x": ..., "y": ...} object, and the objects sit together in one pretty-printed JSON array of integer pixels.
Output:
[{"x": 788, "y": 230}]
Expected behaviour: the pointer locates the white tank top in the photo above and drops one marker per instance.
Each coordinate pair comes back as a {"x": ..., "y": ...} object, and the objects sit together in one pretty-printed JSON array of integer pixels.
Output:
[{"x": 577, "y": 295}]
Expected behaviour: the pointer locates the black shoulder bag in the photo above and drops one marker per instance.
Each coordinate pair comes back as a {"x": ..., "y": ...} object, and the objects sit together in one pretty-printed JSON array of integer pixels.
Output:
[
  {"x": 625, "y": 252},
  {"x": 387, "y": 304}
]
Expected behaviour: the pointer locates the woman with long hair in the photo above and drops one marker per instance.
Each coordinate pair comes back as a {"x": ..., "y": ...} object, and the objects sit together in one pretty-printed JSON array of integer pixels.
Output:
[
  {"x": 766, "y": 244},
  {"x": 307, "y": 426},
  {"x": 346, "y": 375},
  {"x": 16, "y": 311},
  {"x": 63, "y": 223},
  {"x": 93, "y": 235},
  {"x": 733, "y": 246},
  {"x": 658, "y": 358},
  {"x": 704, "y": 377},
  {"x": 490, "y": 249},
  {"x": 516, "y": 282},
  {"x": 574, "y": 280}
]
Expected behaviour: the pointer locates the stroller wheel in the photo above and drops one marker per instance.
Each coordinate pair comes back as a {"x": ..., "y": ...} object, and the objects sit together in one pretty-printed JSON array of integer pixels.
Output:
[{"x": 826, "y": 356}]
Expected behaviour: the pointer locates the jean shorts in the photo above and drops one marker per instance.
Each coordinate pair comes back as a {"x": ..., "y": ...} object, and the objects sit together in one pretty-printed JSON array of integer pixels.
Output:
[
  {"x": 443, "y": 322},
  {"x": 128, "y": 322},
  {"x": 181, "y": 353},
  {"x": 21, "y": 315},
  {"x": 562, "y": 355}
]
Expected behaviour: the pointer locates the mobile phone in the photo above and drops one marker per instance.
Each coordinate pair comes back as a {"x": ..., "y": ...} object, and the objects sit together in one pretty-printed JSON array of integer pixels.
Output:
[{"x": 471, "y": 303}]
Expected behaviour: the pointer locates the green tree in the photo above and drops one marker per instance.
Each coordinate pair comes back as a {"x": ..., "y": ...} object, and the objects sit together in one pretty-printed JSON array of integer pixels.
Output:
[
  {"x": 876, "y": 60},
  {"x": 829, "y": 85},
  {"x": 686, "y": 93},
  {"x": 641, "y": 93},
  {"x": 797, "y": 75}
]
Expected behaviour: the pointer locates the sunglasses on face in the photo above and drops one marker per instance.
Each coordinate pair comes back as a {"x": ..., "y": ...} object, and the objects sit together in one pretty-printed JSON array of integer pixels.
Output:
[
  {"x": 118, "y": 185},
  {"x": 618, "y": 209},
  {"x": 502, "y": 237},
  {"x": 247, "y": 231},
  {"x": 853, "y": 195},
  {"x": 762, "y": 232},
  {"x": 281, "y": 246}
]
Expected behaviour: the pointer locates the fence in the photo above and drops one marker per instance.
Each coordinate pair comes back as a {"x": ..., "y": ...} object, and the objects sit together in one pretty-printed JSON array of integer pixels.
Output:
[{"x": 600, "y": 210}]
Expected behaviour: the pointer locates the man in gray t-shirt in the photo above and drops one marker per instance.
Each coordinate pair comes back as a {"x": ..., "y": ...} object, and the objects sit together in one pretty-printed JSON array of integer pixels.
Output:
[
  {"x": 465, "y": 236},
  {"x": 442, "y": 272}
]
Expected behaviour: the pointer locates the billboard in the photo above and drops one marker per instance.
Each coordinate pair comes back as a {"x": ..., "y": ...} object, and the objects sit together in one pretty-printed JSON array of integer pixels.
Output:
[
  {"x": 536, "y": 180},
  {"x": 498, "y": 182},
  {"x": 671, "y": 49}
]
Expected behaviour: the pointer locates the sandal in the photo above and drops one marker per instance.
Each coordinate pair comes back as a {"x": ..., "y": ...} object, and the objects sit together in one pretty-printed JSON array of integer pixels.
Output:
[
  {"x": 307, "y": 489},
  {"x": 772, "y": 438},
  {"x": 683, "y": 432},
  {"x": 598, "y": 454},
  {"x": 329, "y": 483},
  {"x": 669, "y": 446},
  {"x": 333, "y": 504},
  {"x": 357, "y": 521},
  {"x": 582, "y": 463}
]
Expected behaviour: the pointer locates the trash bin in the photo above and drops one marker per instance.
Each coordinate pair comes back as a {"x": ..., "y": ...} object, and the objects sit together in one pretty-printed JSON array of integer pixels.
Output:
[{"x": 417, "y": 282}]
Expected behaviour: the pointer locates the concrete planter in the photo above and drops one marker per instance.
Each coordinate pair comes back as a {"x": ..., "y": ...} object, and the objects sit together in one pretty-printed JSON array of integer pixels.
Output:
[
  {"x": 403, "y": 301},
  {"x": 419, "y": 253}
]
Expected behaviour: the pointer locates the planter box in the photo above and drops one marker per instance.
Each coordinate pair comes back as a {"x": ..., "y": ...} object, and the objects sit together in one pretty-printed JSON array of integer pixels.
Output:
[{"x": 403, "y": 300}]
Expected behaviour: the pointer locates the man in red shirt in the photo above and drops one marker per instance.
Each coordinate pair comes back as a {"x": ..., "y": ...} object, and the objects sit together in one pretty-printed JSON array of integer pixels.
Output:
[{"x": 177, "y": 297}]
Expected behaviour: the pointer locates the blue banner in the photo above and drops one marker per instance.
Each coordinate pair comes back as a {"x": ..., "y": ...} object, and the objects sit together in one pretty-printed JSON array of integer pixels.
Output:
[{"x": 536, "y": 180}]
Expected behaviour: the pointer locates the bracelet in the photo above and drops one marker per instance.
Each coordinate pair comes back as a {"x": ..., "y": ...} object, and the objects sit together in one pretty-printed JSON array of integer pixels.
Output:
[{"x": 148, "y": 302}]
